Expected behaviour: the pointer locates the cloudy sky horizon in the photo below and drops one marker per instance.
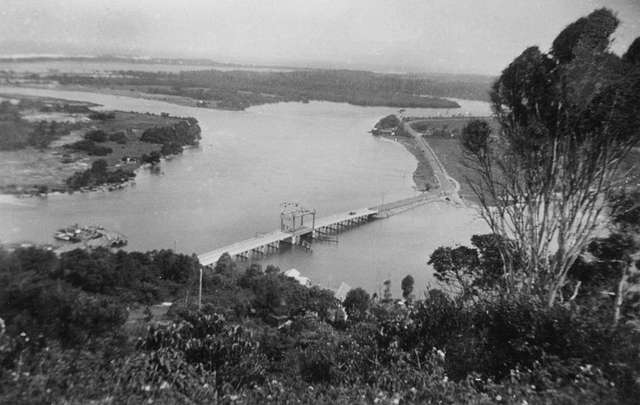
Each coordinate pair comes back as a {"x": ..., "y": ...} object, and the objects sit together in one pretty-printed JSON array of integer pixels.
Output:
[{"x": 464, "y": 36}]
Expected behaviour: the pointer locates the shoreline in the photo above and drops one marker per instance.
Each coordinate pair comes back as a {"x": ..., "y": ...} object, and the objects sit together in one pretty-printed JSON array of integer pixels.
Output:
[{"x": 423, "y": 176}]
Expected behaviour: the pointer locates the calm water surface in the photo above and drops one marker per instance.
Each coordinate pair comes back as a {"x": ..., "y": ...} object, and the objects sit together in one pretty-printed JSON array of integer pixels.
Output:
[{"x": 231, "y": 187}]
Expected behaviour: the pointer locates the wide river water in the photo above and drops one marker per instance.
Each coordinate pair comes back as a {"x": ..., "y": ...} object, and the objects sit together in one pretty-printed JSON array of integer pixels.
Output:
[{"x": 249, "y": 162}]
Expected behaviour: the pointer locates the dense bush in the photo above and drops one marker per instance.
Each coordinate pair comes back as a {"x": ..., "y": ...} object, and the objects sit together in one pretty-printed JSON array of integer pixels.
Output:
[
  {"x": 96, "y": 136},
  {"x": 356, "y": 303},
  {"x": 280, "y": 341},
  {"x": 388, "y": 122},
  {"x": 90, "y": 147},
  {"x": 133, "y": 277},
  {"x": 268, "y": 295},
  {"x": 184, "y": 132},
  {"x": 151, "y": 158},
  {"x": 35, "y": 303},
  {"x": 118, "y": 137},
  {"x": 97, "y": 175},
  {"x": 171, "y": 149},
  {"x": 211, "y": 344},
  {"x": 102, "y": 116}
]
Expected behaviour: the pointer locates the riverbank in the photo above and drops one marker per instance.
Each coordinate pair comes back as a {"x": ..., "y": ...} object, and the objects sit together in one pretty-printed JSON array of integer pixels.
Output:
[
  {"x": 389, "y": 127},
  {"x": 53, "y": 145},
  {"x": 423, "y": 176}
]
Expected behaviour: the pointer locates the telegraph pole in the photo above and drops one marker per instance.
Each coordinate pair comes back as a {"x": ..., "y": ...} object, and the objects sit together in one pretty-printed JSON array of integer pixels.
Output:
[{"x": 200, "y": 290}]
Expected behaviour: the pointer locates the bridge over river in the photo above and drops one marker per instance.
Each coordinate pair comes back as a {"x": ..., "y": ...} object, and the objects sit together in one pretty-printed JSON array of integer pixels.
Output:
[{"x": 320, "y": 228}]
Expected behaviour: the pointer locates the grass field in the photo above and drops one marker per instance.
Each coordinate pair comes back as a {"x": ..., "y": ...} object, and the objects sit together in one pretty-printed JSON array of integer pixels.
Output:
[{"x": 450, "y": 153}]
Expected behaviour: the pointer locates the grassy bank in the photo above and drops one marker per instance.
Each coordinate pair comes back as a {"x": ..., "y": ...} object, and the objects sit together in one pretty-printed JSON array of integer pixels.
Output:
[
  {"x": 423, "y": 177},
  {"x": 443, "y": 135},
  {"x": 450, "y": 153}
]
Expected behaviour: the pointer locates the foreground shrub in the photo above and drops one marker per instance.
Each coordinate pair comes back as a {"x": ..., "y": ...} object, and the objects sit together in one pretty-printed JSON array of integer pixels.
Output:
[{"x": 207, "y": 341}]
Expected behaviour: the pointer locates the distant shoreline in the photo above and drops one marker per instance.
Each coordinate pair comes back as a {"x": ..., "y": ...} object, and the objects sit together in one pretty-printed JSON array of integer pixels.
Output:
[{"x": 240, "y": 89}]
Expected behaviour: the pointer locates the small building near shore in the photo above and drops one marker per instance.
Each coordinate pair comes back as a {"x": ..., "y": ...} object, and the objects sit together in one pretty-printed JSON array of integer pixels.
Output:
[{"x": 295, "y": 274}]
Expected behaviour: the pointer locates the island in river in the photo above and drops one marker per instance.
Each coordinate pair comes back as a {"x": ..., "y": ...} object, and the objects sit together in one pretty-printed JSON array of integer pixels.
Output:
[{"x": 49, "y": 145}]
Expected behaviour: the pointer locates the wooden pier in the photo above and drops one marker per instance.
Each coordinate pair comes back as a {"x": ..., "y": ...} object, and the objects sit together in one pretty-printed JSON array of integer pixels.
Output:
[{"x": 320, "y": 229}]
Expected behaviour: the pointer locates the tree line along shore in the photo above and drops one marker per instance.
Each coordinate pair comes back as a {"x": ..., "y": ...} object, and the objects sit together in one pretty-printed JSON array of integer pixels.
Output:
[{"x": 238, "y": 90}]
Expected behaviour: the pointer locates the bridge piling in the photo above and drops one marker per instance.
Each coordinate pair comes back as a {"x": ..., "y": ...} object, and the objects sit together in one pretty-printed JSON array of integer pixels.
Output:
[{"x": 319, "y": 229}]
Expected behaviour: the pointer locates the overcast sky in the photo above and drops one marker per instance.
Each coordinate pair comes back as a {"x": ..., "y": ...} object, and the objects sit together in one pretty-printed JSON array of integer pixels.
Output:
[{"x": 458, "y": 36}]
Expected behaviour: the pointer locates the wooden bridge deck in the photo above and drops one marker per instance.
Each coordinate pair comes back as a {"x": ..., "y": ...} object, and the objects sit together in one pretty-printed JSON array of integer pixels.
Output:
[
  {"x": 259, "y": 241},
  {"x": 332, "y": 220},
  {"x": 262, "y": 243},
  {"x": 247, "y": 245}
]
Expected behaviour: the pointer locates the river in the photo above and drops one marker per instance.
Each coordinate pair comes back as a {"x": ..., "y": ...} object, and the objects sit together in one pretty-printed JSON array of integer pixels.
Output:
[{"x": 248, "y": 162}]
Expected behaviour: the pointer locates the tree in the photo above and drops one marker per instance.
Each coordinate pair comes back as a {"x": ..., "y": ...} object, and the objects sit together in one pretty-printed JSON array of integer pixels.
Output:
[
  {"x": 99, "y": 166},
  {"x": 471, "y": 271},
  {"x": 633, "y": 53},
  {"x": 407, "y": 287},
  {"x": 626, "y": 222},
  {"x": 225, "y": 266},
  {"x": 387, "y": 296},
  {"x": 97, "y": 135},
  {"x": 153, "y": 158},
  {"x": 456, "y": 267},
  {"x": 356, "y": 303},
  {"x": 567, "y": 119}
]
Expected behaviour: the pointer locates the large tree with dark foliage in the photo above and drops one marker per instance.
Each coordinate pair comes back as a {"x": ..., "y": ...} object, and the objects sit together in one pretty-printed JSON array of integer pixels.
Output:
[
  {"x": 567, "y": 120},
  {"x": 607, "y": 275}
]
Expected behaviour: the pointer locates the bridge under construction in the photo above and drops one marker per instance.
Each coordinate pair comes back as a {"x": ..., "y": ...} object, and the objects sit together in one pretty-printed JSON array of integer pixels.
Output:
[{"x": 295, "y": 231}]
